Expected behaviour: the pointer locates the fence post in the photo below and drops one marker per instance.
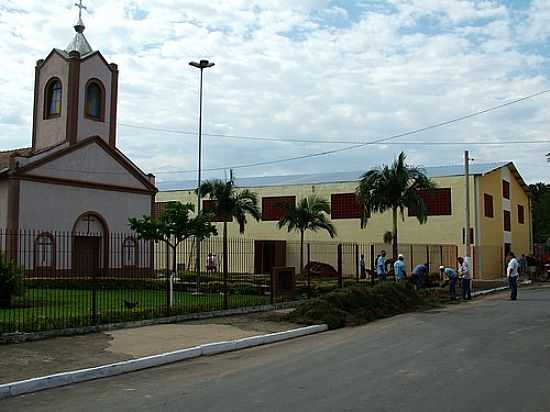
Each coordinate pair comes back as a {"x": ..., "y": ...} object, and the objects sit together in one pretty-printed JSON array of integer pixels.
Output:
[
  {"x": 428, "y": 257},
  {"x": 272, "y": 288},
  {"x": 94, "y": 286},
  {"x": 372, "y": 265},
  {"x": 411, "y": 248},
  {"x": 340, "y": 278},
  {"x": 308, "y": 270},
  {"x": 357, "y": 263}
]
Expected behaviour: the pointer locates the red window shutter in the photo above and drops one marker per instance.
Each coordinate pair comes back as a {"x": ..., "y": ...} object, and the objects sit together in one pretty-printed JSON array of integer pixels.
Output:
[
  {"x": 488, "y": 205},
  {"x": 507, "y": 221},
  {"x": 505, "y": 189},
  {"x": 344, "y": 206},
  {"x": 438, "y": 202},
  {"x": 209, "y": 204},
  {"x": 274, "y": 208},
  {"x": 521, "y": 214}
]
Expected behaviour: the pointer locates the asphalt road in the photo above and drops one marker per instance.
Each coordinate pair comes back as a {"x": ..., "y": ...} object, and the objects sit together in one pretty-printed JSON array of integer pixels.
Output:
[{"x": 490, "y": 355}]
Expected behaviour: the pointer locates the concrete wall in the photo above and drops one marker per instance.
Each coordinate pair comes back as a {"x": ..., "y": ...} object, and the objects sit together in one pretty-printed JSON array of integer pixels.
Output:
[
  {"x": 91, "y": 68},
  {"x": 90, "y": 164},
  {"x": 55, "y": 207},
  {"x": 52, "y": 131}
]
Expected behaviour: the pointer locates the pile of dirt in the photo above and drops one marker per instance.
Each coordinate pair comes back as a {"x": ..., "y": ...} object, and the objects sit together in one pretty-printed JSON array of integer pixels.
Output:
[{"x": 359, "y": 304}]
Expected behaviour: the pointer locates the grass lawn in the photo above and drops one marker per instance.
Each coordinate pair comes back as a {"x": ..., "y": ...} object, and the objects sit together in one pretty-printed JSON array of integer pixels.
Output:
[{"x": 45, "y": 309}]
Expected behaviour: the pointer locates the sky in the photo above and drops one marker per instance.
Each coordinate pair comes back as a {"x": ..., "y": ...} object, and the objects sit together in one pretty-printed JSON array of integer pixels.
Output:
[{"x": 318, "y": 70}]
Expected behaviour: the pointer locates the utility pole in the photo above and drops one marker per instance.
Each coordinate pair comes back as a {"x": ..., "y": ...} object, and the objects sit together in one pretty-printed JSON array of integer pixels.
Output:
[{"x": 467, "y": 239}]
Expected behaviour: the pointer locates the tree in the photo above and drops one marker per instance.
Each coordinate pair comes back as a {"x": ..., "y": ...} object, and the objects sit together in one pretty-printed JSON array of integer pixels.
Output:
[
  {"x": 393, "y": 188},
  {"x": 310, "y": 214},
  {"x": 173, "y": 226},
  {"x": 230, "y": 203},
  {"x": 541, "y": 216}
]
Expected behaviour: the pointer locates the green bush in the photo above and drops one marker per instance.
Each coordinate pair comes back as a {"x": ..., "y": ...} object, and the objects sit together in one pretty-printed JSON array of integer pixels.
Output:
[
  {"x": 11, "y": 280},
  {"x": 98, "y": 283},
  {"x": 358, "y": 304}
]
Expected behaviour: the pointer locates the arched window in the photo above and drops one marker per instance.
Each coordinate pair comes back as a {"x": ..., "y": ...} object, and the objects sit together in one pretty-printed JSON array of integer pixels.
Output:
[
  {"x": 44, "y": 251},
  {"x": 95, "y": 100},
  {"x": 129, "y": 252},
  {"x": 53, "y": 98}
]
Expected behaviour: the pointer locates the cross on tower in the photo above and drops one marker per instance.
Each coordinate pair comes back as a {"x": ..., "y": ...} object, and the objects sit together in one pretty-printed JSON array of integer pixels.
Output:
[{"x": 80, "y": 7}]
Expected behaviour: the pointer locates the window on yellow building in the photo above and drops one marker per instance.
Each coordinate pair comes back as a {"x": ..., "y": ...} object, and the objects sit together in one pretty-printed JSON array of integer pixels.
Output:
[
  {"x": 521, "y": 214},
  {"x": 505, "y": 189},
  {"x": 507, "y": 221},
  {"x": 488, "y": 205}
]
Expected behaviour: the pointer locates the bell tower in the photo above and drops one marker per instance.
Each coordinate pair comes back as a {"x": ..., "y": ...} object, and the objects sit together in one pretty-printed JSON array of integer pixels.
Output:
[{"x": 75, "y": 94}]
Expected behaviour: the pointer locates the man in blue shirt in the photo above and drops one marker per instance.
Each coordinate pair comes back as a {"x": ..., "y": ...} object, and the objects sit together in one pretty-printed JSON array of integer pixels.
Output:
[
  {"x": 399, "y": 269},
  {"x": 381, "y": 266},
  {"x": 452, "y": 276},
  {"x": 418, "y": 275}
]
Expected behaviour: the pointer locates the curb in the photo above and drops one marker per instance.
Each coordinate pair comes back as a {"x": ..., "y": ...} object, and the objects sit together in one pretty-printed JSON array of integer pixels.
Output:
[
  {"x": 499, "y": 289},
  {"x": 12, "y": 389},
  {"x": 19, "y": 337}
]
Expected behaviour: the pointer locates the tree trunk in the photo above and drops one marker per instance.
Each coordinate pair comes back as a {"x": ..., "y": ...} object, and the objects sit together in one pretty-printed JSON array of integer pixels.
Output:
[
  {"x": 394, "y": 246},
  {"x": 225, "y": 270},
  {"x": 301, "y": 252}
]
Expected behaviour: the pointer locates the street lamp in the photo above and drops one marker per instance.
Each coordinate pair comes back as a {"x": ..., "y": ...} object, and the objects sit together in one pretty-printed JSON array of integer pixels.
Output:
[{"x": 203, "y": 64}]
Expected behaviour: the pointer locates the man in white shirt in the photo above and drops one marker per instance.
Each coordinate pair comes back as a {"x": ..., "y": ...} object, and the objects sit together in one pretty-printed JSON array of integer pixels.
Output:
[
  {"x": 466, "y": 276},
  {"x": 512, "y": 274}
]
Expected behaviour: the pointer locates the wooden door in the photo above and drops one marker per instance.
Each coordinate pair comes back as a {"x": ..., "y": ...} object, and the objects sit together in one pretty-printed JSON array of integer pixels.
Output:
[{"x": 86, "y": 255}]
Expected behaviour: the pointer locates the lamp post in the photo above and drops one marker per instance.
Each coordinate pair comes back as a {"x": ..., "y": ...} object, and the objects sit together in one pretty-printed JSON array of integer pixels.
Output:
[{"x": 203, "y": 64}]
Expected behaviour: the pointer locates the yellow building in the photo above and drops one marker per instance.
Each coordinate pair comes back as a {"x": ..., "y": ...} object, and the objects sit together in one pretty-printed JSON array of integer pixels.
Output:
[{"x": 500, "y": 212}]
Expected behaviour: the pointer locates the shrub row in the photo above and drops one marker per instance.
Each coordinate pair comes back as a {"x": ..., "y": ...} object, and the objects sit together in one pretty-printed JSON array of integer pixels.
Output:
[
  {"x": 358, "y": 304},
  {"x": 240, "y": 288}
]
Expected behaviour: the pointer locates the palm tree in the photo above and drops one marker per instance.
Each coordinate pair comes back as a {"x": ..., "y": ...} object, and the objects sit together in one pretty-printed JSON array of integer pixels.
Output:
[
  {"x": 393, "y": 188},
  {"x": 310, "y": 214},
  {"x": 230, "y": 203}
]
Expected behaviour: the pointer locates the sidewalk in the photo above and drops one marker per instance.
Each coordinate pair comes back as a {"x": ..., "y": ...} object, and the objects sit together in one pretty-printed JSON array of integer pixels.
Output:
[{"x": 40, "y": 358}]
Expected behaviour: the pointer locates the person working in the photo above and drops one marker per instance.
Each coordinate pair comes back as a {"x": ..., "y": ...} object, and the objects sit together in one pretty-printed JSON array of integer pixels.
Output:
[
  {"x": 399, "y": 269},
  {"x": 418, "y": 274},
  {"x": 381, "y": 266},
  {"x": 452, "y": 276},
  {"x": 466, "y": 276}
]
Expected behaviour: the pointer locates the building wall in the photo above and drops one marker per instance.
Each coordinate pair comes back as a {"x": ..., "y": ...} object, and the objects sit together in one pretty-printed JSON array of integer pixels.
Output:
[
  {"x": 94, "y": 67},
  {"x": 90, "y": 163},
  {"x": 55, "y": 207},
  {"x": 520, "y": 231},
  {"x": 50, "y": 132},
  {"x": 3, "y": 204},
  {"x": 492, "y": 228},
  {"x": 438, "y": 229}
]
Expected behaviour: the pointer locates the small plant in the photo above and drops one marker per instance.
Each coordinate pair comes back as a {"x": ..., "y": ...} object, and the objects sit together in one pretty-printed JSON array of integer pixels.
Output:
[{"x": 11, "y": 281}]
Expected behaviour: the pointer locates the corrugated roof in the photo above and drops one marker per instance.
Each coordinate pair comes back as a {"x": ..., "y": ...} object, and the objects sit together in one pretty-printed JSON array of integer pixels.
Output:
[{"x": 334, "y": 177}]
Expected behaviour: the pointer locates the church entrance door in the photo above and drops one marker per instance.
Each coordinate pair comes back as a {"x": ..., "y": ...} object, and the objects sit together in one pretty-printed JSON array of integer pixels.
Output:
[
  {"x": 86, "y": 256},
  {"x": 90, "y": 245}
]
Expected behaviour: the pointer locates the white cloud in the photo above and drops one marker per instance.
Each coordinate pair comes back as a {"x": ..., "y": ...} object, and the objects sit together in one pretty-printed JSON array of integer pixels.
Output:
[{"x": 283, "y": 72}]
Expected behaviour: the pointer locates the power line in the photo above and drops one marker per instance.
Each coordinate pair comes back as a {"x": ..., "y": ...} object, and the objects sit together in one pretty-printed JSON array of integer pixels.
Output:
[
  {"x": 329, "y": 140},
  {"x": 449, "y": 143},
  {"x": 363, "y": 144}
]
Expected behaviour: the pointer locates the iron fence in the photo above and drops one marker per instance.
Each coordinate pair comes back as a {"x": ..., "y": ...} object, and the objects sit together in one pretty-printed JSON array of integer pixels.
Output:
[{"x": 81, "y": 279}]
